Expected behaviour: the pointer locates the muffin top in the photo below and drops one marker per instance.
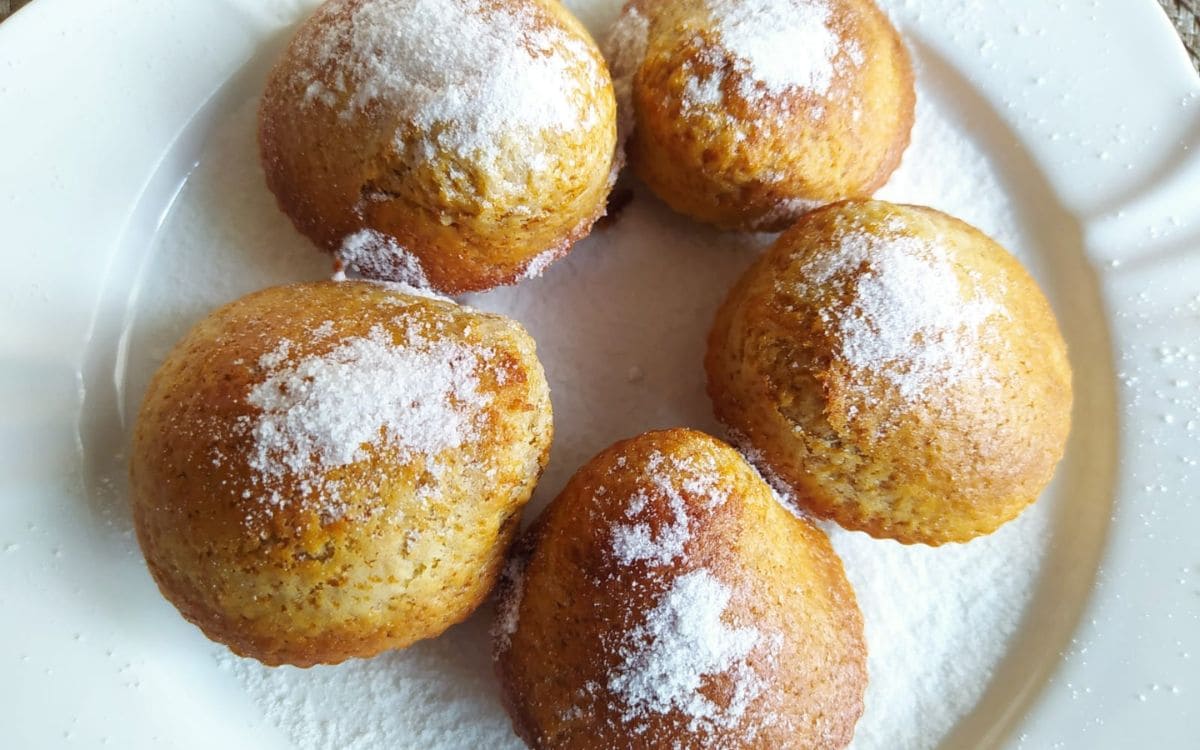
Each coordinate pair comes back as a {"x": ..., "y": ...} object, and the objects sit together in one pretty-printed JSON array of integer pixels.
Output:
[
  {"x": 666, "y": 599},
  {"x": 325, "y": 470},
  {"x": 486, "y": 84},
  {"x": 898, "y": 369},
  {"x": 745, "y": 113},
  {"x": 453, "y": 144}
]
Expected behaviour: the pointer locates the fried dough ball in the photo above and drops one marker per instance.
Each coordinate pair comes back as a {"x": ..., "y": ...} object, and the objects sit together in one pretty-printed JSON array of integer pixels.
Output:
[
  {"x": 453, "y": 144},
  {"x": 746, "y": 113},
  {"x": 329, "y": 470},
  {"x": 666, "y": 599},
  {"x": 897, "y": 371}
]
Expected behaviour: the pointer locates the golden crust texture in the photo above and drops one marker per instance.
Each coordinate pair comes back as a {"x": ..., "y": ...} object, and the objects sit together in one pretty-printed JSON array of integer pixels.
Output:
[
  {"x": 746, "y": 113},
  {"x": 454, "y": 144},
  {"x": 897, "y": 370},
  {"x": 324, "y": 471},
  {"x": 666, "y": 600}
]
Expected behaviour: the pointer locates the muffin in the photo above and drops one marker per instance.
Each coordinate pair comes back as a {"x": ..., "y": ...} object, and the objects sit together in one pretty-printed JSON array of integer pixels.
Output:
[
  {"x": 328, "y": 470},
  {"x": 666, "y": 600},
  {"x": 746, "y": 113},
  {"x": 453, "y": 144},
  {"x": 896, "y": 370}
]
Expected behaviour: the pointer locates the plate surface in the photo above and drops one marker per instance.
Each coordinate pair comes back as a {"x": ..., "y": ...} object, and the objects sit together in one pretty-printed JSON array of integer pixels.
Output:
[{"x": 137, "y": 206}]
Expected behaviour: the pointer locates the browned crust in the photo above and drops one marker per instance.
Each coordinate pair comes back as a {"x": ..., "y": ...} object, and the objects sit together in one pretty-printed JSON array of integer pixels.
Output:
[
  {"x": 289, "y": 584},
  {"x": 321, "y": 168},
  {"x": 701, "y": 168},
  {"x": 521, "y": 550},
  {"x": 952, "y": 468},
  {"x": 907, "y": 90},
  {"x": 333, "y": 646},
  {"x": 578, "y": 600}
]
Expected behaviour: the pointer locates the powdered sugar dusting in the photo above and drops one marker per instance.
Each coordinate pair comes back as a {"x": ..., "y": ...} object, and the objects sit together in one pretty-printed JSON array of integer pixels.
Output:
[
  {"x": 665, "y": 660},
  {"x": 700, "y": 92},
  {"x": 939, "y": 621},
  {"x": 466, "y": 72},
  {"x": 909, "y": 319},
  {"x": 669, "y": 478},
  {"x": 512, "y": 589},
  {"x": 634, "y": 542},
  {"x": 377, "y": 255},
  {"x": 775, "y": 47},
  {"x": 403, "y": 288},
  {"x": 321, "y": 412},
  {"x": 540, "y": 262},
  {"x": 781, "y": 45},
  {"x": 435, "y": 695},
  {"x": 786, "y": 210},
  {"x": 625, "y": 49}
]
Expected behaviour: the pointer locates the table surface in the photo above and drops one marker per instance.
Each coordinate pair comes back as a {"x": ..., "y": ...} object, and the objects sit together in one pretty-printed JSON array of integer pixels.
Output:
[{"x": 1184, "y": 13}]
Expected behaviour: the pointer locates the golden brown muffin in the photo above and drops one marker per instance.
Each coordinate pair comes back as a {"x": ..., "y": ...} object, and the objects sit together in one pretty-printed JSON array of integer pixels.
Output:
[
  {"x": 897, "y": 370},
  {"x": 746, "y": 113},
  {"x": 323, "y": 471},
  {"x": 666, "y": 600},
  {"x": 454, "y": 144}
]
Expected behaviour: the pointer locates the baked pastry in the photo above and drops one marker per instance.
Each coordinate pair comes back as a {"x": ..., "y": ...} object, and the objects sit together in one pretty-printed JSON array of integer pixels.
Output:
[
  {"x": 897, "y": 371},
  {"x": 746, "y": 113},
  {"x": 666, "y": 600},
  {"x": 323, "y": 471},
  {"x": 454, "y": 144}
]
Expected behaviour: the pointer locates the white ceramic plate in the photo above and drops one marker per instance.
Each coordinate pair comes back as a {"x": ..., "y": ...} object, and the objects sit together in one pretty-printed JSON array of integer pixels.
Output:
[{"x": 132, "y": 204}]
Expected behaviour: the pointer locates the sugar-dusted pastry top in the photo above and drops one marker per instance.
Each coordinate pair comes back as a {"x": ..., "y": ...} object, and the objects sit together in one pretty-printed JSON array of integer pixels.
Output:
[
  {"x": 746, "y": 113},
  {"x": 327, "y": 470},
  {"x": 441, "y": 142},
  {"x": 897, "y": 371},
  {"x": 666, "y": 599}
]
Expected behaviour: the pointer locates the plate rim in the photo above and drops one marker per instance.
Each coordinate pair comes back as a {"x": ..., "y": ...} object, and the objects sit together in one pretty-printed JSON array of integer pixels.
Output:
[{"x": 54, "y": 321}]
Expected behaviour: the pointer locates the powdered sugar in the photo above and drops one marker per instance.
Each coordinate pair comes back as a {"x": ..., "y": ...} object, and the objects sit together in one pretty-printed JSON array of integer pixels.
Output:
[
  {"x": 379, "y": 256},
  {"x": 683, "y": 639},
  {"x": 665, "y": 660},
  {"x": 701, "y": 92},
  {"x": 625, "y": 49},
  {"x": 938, "y": 621},
  {"x": 512, "y": 588},
  {"x": 780, "y": 44},
  {"x": 909, "y": 319},
  {"x": 786, "y": 211},
  {"x": 776, "y": 47},
  {"x": 668, "y": 478},
  {"x": 468, "y": 73},
  {"x": 540, "y": 262},
  {"x": 634, "y": 542},
  {"x": 402, "y": 288},
  {"x": 418, "y": 398},
  {"x": 435, "y": 694}
]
